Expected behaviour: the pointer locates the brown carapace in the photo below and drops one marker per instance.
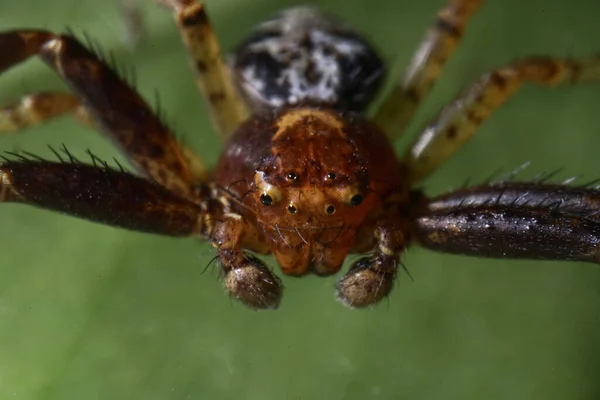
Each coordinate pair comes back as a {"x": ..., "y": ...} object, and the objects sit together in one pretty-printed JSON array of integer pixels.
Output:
[{"x": 305, "y": 174}]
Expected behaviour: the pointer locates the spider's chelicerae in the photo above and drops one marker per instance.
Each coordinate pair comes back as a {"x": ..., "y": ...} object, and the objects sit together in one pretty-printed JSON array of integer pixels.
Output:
[{"x": 304, "y": 174}]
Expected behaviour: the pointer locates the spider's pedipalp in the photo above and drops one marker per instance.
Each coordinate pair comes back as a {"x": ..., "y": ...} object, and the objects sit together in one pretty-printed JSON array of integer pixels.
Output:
[
  {"x": 371, "y": 279},
  {"x": 368, "y": 281},
  {"x": 249, "y": 280}
]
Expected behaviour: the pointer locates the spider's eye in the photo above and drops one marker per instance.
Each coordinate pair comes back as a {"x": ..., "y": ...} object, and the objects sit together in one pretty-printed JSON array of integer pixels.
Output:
[
  {"x": 292, "y": 209},
  {"x": 292, "y": 176},
  {"x": 331, "y": 176},
  {"x": 266, "y": 199},
  {"x": 356, "y": 200},
  {"x": 269, "y": 194},
  {"x": 329, "y": 209}
]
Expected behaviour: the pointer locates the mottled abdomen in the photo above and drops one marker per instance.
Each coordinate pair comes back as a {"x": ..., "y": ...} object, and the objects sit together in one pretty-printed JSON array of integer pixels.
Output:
[{"x": 303, "y": 57}]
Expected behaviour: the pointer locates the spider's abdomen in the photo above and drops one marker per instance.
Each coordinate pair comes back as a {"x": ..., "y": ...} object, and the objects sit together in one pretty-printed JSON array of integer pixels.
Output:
[{"x": 303, "y": 57}]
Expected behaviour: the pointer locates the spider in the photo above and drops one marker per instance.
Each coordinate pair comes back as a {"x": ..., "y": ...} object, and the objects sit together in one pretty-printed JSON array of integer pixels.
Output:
[{"x": 306, "y": 173}]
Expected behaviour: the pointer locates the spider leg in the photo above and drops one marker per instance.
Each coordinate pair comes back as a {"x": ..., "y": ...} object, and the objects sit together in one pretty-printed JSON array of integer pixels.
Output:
[
  {"x": 370, "y": 279},
  {"x": 513, "y": 220},
  {"x": 458, "y": 122},
  {"x": 115, "y": 107},
  {"x": 39, "y": 107},
  {"x": 427, "y": 63},
  {"x": 227, "y": 108},
  {"x": 100, "y": 194},
  {"x": 34, "y": 109}
]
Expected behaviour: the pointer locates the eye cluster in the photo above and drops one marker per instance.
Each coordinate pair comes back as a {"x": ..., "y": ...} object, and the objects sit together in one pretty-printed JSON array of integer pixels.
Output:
[
  {"x": 271, "y": 194},
  {"x": 305, "y": 57}
]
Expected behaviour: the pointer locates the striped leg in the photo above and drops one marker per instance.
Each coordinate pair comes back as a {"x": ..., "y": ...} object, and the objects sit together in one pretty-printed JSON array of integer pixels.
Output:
[
  {"x": 37, "y": 108},
  {"x": 458, "y": 122},
  {"x": 114, "y": 106},
  {"x": 227, "y": 108},
  {"x": 428, "y": 61}
]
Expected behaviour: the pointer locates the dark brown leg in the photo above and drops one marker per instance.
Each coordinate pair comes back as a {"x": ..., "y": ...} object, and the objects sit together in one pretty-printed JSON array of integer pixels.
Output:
[
  {"x": 458, "y": 122},
  {"x": 427, "y": 64},
  {"x": 371, "y": 279},
  {"x": 114, "y": 106},
  {"x": 100, "y": 194},
  {"x": 213, "y": 78},
  {"x": 513, "y": 220}
]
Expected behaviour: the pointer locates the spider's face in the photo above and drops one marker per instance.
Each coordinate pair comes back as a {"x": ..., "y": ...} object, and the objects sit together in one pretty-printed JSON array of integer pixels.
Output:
[
  {"x": 313, "y": 192},
  {"x": 305, "y": 57}
]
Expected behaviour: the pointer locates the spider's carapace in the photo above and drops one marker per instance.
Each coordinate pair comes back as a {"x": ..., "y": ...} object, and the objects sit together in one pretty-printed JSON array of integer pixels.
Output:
[{"x": 315, "y": 181}]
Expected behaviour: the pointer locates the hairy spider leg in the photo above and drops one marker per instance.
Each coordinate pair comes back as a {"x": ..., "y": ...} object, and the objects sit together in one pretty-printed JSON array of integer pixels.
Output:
[
  {"x": 40, "y": 107},
  {"x": 440, "y": 42},
  {"x": 115, "y": 107},
  {"x": 458, "y": 121},
  {"x": 530, "y": 220},
  {"x": 227, "y": 108},
  {"x": 100, "y": 194}
]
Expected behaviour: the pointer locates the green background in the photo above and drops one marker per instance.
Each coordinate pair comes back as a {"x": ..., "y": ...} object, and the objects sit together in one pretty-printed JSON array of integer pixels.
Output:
[{"x": 90, "y": 312}]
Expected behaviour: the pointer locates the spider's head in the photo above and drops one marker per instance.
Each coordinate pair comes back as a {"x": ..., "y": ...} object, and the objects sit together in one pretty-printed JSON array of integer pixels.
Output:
[
  {"x": 303, "y": 57},
  {"x": 315, "y": 189}
]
